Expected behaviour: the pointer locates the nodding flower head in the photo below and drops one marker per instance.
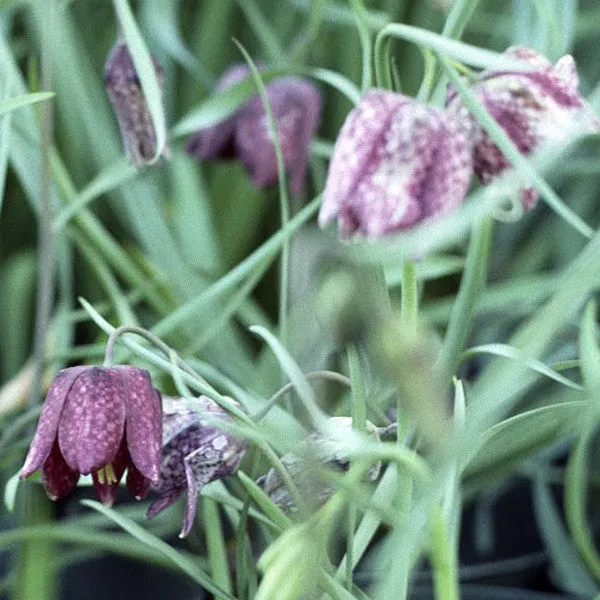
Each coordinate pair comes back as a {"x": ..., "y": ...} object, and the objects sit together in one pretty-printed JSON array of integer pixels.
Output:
[
  {"x": 194, "y": 453},
  {"x": 534, "y": 107},
  {"x": 326, "y": 449},
  {"x": 98, "y": 420},
  {"x": 296, "y": 105},
  {"x": 396, "y": 163},
  {"x": 130, "y": 106}
]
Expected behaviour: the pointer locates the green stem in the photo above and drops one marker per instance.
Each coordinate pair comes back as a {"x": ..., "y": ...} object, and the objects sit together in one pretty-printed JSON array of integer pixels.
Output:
[
  {"x": 575, "y": 501},
  {"x": 443, "y": 560},
  {"x": 215, "y": 543},
  {"x": 410, "y": 295},
  {"x": 471, "y": 286},
  {"x": 35, "y": 572},
  {"x": 283, "y": 201},
  {"x": 364, "y": 33}
]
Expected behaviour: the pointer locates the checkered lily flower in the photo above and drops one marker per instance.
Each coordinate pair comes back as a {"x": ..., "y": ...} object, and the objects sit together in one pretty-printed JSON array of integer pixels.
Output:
[
  {"x": 98, "y": 420},
  {"x": 296, "y": 105},
  {"x": 535, "y": 108},
  {"x": 396, "y": 163},
  {"x": 194, "y": 453}
]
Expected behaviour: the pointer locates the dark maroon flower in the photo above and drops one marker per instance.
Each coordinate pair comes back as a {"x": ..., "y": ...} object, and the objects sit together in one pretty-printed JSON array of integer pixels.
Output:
[
  {"x": 395, "y": 163},
  {"x": 194, "y": 453},
  {"x": 131, "y": 108},
  {"x": 98, "y": 420},
  {"x": 533, "y": 107},
  {"x": 295, "y": 103}
]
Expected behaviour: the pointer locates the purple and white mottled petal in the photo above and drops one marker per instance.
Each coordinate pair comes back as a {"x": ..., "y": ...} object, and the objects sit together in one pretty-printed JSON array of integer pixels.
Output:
[
  {"x": 143, "y": 422},
  {"x": 295, "y": 104},
  {"x": 58, "y": 478},
  {"x": 93, "y": 418},
  {"x": 356, "y": 150},
  {"x": 47, "y": 428},
  {"x": 419, "y": 166}
]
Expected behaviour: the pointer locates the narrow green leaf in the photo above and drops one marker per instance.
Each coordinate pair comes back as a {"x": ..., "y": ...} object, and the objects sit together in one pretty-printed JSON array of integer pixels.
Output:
[
  {"x": 183, "y": 563},
  {"x": 9, "y": 104},
  {"x": 512, "y": 353},
  {"x": 590, "y": 352},
  {"x": 109, "y": 179},
  {"x": 219, "y": 106},
  {"x": 572, "y": 574}
]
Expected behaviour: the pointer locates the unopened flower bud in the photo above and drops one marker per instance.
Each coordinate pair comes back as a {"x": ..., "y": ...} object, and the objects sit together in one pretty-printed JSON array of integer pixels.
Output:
[{"x": 131, "y": 109}]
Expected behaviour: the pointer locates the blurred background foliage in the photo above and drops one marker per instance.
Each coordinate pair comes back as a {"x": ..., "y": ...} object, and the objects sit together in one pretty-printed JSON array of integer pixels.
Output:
[{"x": 143, "y": 243}]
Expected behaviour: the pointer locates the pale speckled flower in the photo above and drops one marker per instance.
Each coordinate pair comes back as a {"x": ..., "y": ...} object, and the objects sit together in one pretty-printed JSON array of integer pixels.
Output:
[
  {"x": 533, "y": 107},
  {"x": 396, "y": 163},
  {"x": 131, "y": 109},
  {"x": 98, "y": 420},
  {"x": 194, "y": 453},
  {"x": 295, "y": 103},
  {"x": 312, "y": 485}
]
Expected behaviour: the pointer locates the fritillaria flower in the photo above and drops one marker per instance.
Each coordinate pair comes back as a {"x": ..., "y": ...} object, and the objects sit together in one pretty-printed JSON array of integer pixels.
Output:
[
  {"x": 314, "y": 488},
  {"x": 534, "y": 107},
  {"x": 194, "y": 453},
  {"x": 131, "y": 109},
  {"x": 98, "y": 420},
  {"x": 295, "y": 103},
  {"x": 396, "y": 163}
]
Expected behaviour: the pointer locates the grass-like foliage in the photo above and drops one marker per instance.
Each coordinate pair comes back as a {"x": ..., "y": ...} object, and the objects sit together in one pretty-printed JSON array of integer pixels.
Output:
[{"x": 462, "y": 351}]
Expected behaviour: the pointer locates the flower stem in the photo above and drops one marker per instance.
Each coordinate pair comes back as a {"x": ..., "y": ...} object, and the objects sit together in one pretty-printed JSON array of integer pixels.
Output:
[
  {"x": 410, "y": 295},
  {"x": 443, "y": 560},
  {"x": 471, "y": 285}
]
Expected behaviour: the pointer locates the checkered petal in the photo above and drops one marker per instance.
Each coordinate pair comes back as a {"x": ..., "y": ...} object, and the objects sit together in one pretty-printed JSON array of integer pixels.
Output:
[
  {"x": 143, "y": 421},
  {"x": 47, "y": 428},
  {"x": 92, "y": 421},
  {"x": 396, "y": 163},
  {"x": 535, "y": 108}
]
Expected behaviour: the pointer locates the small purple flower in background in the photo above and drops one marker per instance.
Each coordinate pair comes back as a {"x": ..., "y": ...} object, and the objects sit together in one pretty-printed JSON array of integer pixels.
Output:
[
  {"x": 194, "y": 453},
  {"x": 295, "y": 103},
  {"x": 98, "y": 420},
  {"x": 395, "y": 163},
  {"x": 128, "y": 100},
  {"x": 533, "y": 107}
]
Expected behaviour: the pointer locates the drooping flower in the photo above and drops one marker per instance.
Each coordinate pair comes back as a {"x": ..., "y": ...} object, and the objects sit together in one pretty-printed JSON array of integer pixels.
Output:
[
  {"x": 194, "y": 453},
  {"x": 295, "y": 103},
  {"x": 312, "y": 485},
  {"x": 395, "y": 163},
  {"x": 130, "y": 106},
  {"x": 98, "y": 420},
  {"x": 534, "y": 107}
]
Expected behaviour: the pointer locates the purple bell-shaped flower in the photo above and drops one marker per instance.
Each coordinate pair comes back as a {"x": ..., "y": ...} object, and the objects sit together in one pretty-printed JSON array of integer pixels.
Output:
[
  {"x": 396, "y": 163},
  {"x": 296, "y": 105},
  {"x": 98, "y": 420},
  {"x": 535, "y": 108}
]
